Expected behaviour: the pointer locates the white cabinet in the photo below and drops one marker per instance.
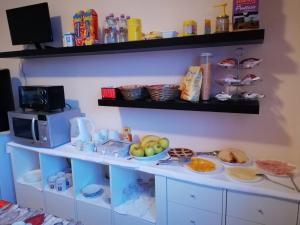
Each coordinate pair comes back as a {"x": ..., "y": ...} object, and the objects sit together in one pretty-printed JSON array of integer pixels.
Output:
[
  {"x": 182, "y": 215},
  {"x": 261, "y": 209},
  {"x": 191, "y": 204},
  {"x": 7, "y": 191},
  {"x": 235, "y": 221},
  {"x": 299, "y": 215}
]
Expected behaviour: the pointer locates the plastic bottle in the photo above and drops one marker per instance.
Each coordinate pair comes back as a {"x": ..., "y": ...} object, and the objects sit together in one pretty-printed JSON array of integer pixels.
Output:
[
  {"x": 206, "y": 80},
  {"x": 106, "y": 38}
]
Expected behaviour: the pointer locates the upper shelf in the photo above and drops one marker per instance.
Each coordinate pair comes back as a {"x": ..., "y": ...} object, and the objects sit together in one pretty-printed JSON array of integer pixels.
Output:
[{"x": 197, "y": 41}]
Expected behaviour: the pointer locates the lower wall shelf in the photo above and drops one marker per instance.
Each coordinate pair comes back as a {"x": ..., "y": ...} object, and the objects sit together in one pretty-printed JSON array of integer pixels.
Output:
[{"x": 213, "y": 105}]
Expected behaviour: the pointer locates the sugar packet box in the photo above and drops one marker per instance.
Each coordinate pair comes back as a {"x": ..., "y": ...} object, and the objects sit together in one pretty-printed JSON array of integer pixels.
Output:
[
  {"x": 91, "y": 27},
  {"x": 245, "y": 14},
  {"x": 79, "y": 28}
]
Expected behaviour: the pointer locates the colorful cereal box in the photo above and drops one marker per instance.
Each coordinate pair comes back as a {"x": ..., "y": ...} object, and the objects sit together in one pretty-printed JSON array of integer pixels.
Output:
[
  {"x": 245, "y": 14},
  {"x": 79, "y": 27},
  {"x": 91, "y": 27}
]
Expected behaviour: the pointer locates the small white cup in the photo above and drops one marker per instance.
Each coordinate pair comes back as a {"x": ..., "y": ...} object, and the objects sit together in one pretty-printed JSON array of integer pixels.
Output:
[
  {"x": 114, "y": 135},
  {"x": 88, "y": 147}
]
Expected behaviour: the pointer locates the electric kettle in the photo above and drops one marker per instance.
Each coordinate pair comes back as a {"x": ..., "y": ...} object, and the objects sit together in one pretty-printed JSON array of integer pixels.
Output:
[{"x": 82, "y": 129}]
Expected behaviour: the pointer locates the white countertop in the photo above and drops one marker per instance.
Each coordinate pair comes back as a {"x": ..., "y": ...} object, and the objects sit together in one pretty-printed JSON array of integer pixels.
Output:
[{"x": 219, "y": 180}]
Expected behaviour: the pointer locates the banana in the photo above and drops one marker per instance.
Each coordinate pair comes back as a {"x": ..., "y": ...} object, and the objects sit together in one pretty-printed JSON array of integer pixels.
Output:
[{"x": 148, "y": 138}]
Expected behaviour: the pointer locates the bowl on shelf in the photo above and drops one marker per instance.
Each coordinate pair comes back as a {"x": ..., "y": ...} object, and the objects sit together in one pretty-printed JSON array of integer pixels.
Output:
[
  {"x": 163, "y": 92},
  {"x": 133, "y": 92}
]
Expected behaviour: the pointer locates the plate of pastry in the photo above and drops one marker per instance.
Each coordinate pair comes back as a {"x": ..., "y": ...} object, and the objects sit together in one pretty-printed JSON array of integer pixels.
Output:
[{"x": 234, "y": 157}]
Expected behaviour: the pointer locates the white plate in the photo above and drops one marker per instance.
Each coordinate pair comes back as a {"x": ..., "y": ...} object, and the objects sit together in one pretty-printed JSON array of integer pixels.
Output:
[
  {"x": 152, "y": 158},
  {"x": 257, "y": 179},
  {"x": 219, "y": 167},
  {"x": 92, "y": 190},
  {"x": 33, "y": 176},
  {"x": 296, "y": 171}
]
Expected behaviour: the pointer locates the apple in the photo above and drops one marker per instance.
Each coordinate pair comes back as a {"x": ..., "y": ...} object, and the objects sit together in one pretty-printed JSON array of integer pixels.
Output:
[
  {"x": 149, "y": 151},
  {"x": 136, "y": 150},
  {"x": 164, "y": 142},
  {"x": 157, "y": 148}
]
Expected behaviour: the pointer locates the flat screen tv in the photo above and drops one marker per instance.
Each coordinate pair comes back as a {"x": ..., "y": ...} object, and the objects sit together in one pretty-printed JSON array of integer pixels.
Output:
[
  {"x": 7, "y": 100},
  {"x": 30, "y": 24}
]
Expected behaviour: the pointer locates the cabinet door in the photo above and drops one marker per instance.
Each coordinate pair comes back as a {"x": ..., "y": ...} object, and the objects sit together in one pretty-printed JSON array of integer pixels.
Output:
[
  {"x": 184, "y": 215},
  {"x": 90, "y": 214},
  {"x": 261, "y": 209},
  {"x": 120, "y": 219},
  {"x": 235, "y": 221},
  {"x": 299, "y": 215}
]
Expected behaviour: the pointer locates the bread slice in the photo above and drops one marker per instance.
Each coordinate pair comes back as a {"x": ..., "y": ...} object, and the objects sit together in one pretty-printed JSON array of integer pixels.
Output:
[{"x": 233, "y": 155}]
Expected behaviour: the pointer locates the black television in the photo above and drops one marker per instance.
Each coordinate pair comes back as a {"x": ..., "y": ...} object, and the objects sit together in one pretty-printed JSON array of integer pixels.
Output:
[
  {"x": 30, "y": 24},
  {"x": 7, "y": 100}
]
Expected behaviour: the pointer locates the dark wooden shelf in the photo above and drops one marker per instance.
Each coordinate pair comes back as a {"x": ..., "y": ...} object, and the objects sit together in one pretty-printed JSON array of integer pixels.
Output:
[
  {"x": 197, "y": 41},
  {"x": 232, "y": 106}
]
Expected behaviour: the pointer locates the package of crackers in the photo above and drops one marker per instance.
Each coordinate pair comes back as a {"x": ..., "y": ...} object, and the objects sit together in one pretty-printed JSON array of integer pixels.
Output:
[
  {"x": 191, "y": 84},
  {"x": 79, "y": 28}
]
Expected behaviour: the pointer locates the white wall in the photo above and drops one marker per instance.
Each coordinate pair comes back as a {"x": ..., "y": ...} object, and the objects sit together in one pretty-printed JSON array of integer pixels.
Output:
[{"x": 274, "y": 133}]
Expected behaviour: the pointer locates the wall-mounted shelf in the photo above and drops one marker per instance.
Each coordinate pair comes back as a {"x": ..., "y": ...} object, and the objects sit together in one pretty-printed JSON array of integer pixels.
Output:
[
  {"x": 197, "y": 41},
  {"x": 234, "y": 106}
]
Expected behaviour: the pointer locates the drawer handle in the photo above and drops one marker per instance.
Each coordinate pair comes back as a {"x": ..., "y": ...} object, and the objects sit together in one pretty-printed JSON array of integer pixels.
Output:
[
  {"x": 192, "y": 222},
  {"x": 193, "y": 196},
  {"x": 261, "y": 212}
]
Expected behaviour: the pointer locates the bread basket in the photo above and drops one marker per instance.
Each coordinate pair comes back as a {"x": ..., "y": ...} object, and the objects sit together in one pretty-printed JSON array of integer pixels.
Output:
[
  {"x": 133, "y": 92},
  {"x": 163, "y": 92}
]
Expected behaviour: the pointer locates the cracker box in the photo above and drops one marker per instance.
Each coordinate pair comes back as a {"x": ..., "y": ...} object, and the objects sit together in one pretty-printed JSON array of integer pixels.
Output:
[
  {"x": 245, "y": 14},
  {"x": 91, "y": 27},
  {"x": 79, "y": 28}
]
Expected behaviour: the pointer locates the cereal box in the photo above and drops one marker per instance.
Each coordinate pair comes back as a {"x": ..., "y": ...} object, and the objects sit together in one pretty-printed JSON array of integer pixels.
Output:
[
  {"x": 245, "y": 14},
  {"x": 79, "y": 28},
  {"x": 91, "y": 27}
]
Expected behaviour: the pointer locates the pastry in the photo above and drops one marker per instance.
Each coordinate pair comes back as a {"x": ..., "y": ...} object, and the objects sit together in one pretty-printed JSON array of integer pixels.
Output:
[{"x": 232, "y": 155}]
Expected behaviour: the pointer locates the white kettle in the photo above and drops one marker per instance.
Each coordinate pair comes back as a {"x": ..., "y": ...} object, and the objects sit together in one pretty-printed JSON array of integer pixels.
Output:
[{"x": 82, "y": 129}]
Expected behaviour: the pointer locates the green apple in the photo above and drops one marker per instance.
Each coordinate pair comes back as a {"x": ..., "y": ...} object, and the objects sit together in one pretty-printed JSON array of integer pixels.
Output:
[
  {"x": 136, "y": 150},
  {"x": 134, "y": 147},
  {"x": 149, "y": 151},
  {"x": 157, "y": 148},
  {"x": 164, "y": 142}
]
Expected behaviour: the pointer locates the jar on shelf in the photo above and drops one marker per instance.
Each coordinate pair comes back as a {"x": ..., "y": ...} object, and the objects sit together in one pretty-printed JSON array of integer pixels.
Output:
[
  {"x": 134, "y": 29},
  {"x": 205, "y": 63}
]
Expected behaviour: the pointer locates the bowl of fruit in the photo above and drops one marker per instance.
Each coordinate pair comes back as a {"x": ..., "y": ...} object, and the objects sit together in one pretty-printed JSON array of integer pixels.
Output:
[{"x": 151, "y": 147}]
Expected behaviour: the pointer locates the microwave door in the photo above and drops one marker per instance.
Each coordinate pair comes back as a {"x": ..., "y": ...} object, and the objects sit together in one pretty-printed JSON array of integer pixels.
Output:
[{"x": 26, "y": 128}]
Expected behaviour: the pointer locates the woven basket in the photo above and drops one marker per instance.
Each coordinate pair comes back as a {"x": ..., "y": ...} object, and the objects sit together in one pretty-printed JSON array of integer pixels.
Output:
[
  {"x": 133, "y": 92},
  {"x": 164, "y": 92}
]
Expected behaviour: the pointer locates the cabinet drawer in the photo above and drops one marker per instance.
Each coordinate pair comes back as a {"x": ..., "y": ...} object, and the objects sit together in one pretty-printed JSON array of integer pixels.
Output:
[
  {"x": 261, "y": 209},
  {"x": 29, "y": 197},
  {"x": 197, "y": 196},
  {"x": 120, "y": 219},
  {"x": 93, "y": 215},
  {"x": 184, "y": 215},
  {"x": 235, "y": 221},
  {"x": 60, "y": 205}
]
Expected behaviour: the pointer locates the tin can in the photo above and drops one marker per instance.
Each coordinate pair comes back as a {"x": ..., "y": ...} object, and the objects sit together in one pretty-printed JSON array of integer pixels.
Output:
[
  {"x": 134, "y": 29},
  {"x": 69, "y": 40},
  {"x": 189, "y": 27}
]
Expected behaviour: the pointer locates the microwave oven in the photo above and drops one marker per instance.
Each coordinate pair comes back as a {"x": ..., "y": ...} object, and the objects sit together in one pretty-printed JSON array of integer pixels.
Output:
[
  {"x": 42, "y": 98},
  {"x": 41, "y": 129}
]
